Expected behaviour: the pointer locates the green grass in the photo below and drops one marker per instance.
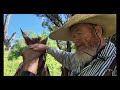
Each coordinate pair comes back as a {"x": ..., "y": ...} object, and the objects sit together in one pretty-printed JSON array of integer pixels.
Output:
[{"x": 10, "y": 66}]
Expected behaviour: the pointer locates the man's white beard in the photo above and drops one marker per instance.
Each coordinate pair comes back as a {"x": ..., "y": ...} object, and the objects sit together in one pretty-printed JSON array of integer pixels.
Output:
[{"x": 83, "y": 58}]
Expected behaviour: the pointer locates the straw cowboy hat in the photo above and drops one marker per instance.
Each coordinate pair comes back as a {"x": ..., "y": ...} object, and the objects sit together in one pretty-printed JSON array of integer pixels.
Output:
[{"x": 106, "y": 21}]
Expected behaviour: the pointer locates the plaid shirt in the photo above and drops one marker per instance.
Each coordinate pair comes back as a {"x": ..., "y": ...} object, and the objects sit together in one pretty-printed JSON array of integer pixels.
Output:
[{"x": 97, "y": 67}]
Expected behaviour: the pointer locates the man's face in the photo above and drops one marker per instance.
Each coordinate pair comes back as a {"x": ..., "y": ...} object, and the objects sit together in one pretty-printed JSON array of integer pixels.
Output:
[{"x": 84, "y": 37}]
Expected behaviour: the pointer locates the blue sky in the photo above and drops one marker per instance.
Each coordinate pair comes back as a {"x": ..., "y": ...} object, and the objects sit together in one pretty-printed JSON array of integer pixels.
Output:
[{"x": 26, "y": 22}]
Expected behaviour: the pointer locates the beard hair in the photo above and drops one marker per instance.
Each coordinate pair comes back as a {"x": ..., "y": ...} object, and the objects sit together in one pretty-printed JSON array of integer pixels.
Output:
[{"x": 82, "y": 57}]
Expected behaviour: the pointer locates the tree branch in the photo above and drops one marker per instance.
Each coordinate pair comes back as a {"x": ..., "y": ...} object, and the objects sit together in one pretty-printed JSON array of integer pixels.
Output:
[
  {"x": 52, "y": 20},
  {"x": 12, "y": 37},
  {"x": 6, "y": 27}
]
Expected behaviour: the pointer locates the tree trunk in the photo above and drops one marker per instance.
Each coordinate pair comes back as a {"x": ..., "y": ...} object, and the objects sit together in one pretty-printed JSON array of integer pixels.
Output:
[
  {"x": 68, "y": 46},
  {"x": 58, "y": 44},
  {"x": 6, "y": 28},
  {"x": 7, "y": 42}
]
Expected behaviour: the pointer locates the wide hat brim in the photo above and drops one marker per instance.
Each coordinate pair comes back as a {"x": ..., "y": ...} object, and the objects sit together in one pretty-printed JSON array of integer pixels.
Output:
[{"x": 106, "y": 21}]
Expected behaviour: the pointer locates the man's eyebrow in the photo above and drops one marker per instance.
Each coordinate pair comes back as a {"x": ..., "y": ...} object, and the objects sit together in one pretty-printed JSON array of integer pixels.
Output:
[{"x": 74, "y": 30}]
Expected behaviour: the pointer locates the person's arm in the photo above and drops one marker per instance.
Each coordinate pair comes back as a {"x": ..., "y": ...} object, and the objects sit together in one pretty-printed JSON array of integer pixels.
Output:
[{"x": 61, "y": 56}]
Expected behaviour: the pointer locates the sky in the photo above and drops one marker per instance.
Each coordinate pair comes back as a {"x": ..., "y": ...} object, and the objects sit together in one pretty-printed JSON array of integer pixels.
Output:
[{"x": 25, "y": 22}]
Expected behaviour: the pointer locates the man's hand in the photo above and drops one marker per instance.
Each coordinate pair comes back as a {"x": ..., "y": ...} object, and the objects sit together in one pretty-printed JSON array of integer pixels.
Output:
[{"x": 39, "y": 47}]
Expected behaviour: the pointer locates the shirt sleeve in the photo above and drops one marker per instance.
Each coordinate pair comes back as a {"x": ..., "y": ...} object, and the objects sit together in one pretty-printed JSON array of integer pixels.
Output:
[{"x": 61, "y": 56}]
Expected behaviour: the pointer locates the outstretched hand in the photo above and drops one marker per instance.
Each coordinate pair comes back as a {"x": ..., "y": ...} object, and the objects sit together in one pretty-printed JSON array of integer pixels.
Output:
[{"x": 39, "y": 47}]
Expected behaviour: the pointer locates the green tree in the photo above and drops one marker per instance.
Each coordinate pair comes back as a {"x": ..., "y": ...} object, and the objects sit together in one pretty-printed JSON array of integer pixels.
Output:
[
  {"x": 43, "y": 35},
  {"x": 17, "y": 49}
]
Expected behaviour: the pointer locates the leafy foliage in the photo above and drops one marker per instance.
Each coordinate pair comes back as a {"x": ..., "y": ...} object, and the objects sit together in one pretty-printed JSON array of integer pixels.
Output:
[
  {"x": 17, "y": 49},
  {"x": 10, "y": 66},
  {"x": 53, "y": 65}
]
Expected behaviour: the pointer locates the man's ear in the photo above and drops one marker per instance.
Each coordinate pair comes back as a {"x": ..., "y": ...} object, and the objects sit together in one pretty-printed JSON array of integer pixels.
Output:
[
  {"x": 98, "y": 30},
  {"x": 26, "y": 38}
]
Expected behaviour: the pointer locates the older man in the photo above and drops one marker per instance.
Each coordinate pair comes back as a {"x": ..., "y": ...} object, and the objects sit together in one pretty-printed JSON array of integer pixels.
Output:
[{"x": 94, "y": 55}]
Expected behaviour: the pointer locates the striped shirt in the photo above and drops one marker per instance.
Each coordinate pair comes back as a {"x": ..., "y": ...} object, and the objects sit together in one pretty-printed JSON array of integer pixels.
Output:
[{"x": 97, "y": 67}]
